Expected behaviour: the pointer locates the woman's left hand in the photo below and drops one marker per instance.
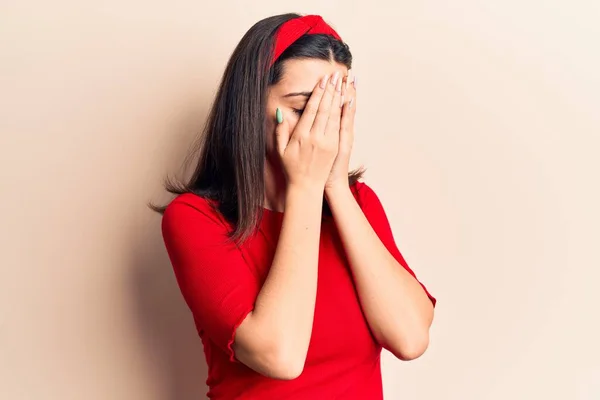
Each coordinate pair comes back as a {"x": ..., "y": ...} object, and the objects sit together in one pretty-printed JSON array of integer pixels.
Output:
[{"x": 338, "y": 178}]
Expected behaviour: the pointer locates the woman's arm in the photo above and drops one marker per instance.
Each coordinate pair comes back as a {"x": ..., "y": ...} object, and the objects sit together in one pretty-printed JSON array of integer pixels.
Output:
[
  {"x": 265, "y": 326},
  {"x": 274, "y": 337},
  {"x": 397, "y": 307}
]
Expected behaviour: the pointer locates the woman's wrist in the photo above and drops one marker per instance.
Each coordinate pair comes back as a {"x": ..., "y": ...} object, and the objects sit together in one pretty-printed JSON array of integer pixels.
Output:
[
  {"x": 337, "y": 190},
  {"x": 304, "y": 194}
]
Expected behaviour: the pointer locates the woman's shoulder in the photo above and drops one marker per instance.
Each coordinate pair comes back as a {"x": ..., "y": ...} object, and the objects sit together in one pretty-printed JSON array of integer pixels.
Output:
[
  {"x": 190, "y": 208},
  {"x": 358, "y": 186},
  {"x": 362, "y": 192},
  {"x": 189, "y": 199},
  {"x": 186, "y": 201}
]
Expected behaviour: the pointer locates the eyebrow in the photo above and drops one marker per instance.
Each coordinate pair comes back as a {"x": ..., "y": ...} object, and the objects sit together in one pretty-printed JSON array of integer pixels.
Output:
[{"x": 293, "y": 94}]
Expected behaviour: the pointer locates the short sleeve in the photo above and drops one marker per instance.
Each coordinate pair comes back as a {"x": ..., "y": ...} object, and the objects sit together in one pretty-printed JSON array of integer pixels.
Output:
[
  {"x": 215, "y": 281},
  {"x": 375, "y": 214}
]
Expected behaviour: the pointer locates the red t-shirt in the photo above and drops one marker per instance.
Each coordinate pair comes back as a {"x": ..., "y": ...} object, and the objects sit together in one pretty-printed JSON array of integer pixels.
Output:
[{"x": 220, "y": 282}]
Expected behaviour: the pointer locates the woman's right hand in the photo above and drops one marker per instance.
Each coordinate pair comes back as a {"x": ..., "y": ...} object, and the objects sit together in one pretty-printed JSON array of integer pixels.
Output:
[{"x": 308, "y": 153}]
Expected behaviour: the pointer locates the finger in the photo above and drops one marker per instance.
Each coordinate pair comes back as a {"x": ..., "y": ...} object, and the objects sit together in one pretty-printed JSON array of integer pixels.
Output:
[
  {"x": 325, "y": 106},
  {"x": 350, "y": 93},
  {"x": 347, "y": 125},
  {"x": 282, "y": 132},
  {"x": 333, "y": 123},
  {"x": 347, "y": 81},
  {"x": 348, "y": 85},
  {"x": 344, "y": 89},
  {"x": 348, "y": 113},
  {"x": 337, "y": 98},
  {"x": 312, "y": 106}
]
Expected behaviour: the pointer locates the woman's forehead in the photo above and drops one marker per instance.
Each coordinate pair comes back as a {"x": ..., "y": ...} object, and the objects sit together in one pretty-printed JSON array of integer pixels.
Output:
[{"x": 303, "y": 75}]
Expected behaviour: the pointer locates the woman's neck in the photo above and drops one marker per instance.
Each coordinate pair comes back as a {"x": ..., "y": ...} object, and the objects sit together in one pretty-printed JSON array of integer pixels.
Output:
[{"x": 275, "y": 187}]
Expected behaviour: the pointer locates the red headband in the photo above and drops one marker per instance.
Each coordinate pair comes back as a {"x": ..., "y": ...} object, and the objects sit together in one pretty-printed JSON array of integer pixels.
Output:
[{"x": 293, "y": 29}]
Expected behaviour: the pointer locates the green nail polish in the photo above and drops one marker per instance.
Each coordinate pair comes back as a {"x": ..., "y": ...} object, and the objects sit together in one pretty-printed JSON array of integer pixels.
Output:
[{"x": 279, "y": 116}]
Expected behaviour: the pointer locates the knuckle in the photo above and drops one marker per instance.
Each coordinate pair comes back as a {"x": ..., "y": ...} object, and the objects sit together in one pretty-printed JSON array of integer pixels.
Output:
[
  {"x": 326, "y": 144},
  {"x": 303, "y": 136},
  {"x": 318, "y": 92},
  {"x": 306, "y": 140},
  {"x": 331, "y": 150},
  {"x": 320, "y": 146}
]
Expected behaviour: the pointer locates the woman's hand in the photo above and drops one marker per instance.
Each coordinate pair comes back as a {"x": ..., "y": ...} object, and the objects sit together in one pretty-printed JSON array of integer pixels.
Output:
[
  {"x": 338, "y": 177},
  {"x": 308, "y": 153}
]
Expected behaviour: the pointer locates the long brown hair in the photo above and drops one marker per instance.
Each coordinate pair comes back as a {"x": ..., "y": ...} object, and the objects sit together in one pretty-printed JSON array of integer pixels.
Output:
[{"x": 230, "y": 164}]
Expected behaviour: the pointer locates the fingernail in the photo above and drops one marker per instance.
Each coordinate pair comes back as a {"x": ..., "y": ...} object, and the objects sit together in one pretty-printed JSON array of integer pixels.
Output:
[
  {"x": 342, "y": 101},
  {"x": 324, "y": 81},
  {"x": 351, "y": 102},
  {"x": 279, "y": 115},
  {"x": 354, "y": 82},
  {"x": 334, "y": 80}
]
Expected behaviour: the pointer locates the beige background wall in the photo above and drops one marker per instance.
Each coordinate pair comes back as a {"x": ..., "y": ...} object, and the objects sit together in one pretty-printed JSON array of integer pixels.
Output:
[{"x": 479, "y": 123}]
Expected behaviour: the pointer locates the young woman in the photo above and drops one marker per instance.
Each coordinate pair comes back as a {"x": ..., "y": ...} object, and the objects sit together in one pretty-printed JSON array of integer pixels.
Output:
[{"x": 285, "y": 259}]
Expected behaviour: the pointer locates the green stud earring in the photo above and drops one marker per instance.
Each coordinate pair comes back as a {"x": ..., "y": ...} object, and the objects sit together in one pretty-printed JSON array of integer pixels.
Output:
[{"x": 279, "y": 116}]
